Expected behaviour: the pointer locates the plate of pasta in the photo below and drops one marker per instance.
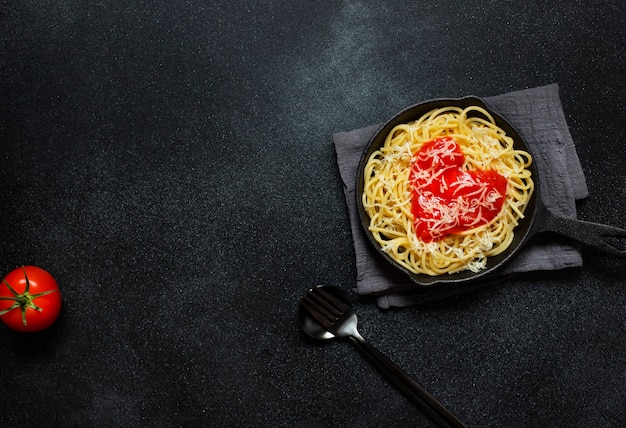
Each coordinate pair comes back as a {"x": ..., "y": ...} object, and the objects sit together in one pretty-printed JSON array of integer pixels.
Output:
[{"x": 447, "y": 191}]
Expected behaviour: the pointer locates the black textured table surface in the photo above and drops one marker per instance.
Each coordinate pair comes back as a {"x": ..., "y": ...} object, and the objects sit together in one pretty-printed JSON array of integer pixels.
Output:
[{"x": 172, "y": 165}]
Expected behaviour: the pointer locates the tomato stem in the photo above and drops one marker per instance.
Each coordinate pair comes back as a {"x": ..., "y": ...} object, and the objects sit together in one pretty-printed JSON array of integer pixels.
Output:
[{"x": 4, "y": 281}]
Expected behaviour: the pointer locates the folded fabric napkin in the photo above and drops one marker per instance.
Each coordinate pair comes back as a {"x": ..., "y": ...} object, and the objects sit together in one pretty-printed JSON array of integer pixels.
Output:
[{"x": 538, "y": 116}]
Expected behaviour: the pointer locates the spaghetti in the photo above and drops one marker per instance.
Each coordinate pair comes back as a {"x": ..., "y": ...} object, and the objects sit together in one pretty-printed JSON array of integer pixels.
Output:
[{"x": 444, "y": 192}]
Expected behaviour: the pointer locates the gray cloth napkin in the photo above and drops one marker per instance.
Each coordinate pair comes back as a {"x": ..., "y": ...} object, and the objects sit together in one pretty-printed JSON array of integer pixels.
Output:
[{"x": 538, "y": 116}]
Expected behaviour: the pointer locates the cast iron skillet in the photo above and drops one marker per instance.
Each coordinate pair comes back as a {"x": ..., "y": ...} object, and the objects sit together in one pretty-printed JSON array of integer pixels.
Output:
[{"x": 537, "y": 217}]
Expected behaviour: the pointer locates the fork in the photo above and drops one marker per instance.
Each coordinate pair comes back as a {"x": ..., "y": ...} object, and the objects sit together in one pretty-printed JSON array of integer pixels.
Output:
[{"x": 331, "y": 316}]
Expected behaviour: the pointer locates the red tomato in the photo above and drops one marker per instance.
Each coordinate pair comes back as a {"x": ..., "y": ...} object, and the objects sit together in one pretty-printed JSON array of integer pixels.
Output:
[{"x": 29, "y": 299}]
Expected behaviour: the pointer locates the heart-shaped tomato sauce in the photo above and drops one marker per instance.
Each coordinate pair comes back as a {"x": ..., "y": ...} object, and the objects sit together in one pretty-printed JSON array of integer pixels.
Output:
[{"x": 448, "y": 199}]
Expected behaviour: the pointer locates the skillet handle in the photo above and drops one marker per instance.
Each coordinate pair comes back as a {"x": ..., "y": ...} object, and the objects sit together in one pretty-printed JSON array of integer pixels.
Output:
[{"x": 610, "y": 239}]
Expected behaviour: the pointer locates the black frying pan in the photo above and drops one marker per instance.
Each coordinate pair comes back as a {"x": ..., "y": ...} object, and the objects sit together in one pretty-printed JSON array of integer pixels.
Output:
[{"x": 537, "y": 217}]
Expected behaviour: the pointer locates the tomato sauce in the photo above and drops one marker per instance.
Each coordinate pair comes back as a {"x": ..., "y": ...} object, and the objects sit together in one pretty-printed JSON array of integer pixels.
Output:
[{"x": 447, "y": 198}]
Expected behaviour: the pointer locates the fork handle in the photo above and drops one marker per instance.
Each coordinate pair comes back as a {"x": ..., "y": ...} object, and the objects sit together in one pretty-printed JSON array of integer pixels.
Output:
[{"x": 413, "y": 390}]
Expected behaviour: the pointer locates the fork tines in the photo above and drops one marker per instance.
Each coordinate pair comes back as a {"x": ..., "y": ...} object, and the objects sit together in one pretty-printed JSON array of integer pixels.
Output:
[{"x": 324, "y": 306}]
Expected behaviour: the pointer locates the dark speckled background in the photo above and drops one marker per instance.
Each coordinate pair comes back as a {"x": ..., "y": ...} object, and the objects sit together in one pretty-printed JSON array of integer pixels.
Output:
[{"x": 172, "y": 165}]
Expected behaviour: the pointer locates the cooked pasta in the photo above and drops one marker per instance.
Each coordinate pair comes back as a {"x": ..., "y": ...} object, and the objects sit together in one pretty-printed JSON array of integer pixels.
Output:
[{"x": 445, "y": 192}]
